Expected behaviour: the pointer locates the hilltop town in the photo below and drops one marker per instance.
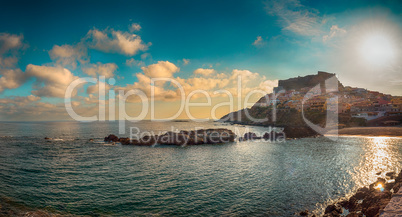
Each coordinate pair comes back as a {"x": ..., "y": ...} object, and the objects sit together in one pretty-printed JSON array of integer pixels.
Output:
[{"x": 354, "y": 106}]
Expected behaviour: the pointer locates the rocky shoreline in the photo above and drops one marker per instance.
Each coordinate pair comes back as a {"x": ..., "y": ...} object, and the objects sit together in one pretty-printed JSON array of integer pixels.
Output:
[
  {"x": 371, "y": 131},
  {"x": 367, "y": 201},
  {"x": 294, "y": 132}
]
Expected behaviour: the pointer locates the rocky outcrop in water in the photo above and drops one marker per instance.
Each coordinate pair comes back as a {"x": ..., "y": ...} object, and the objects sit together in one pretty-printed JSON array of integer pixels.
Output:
[
  {"x": 194, "y": 137},
  {"x": 111, "y": 138}
]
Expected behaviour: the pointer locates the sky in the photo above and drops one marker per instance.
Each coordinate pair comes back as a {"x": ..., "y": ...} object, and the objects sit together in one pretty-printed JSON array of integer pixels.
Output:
[{"x": 203, "y": 47}]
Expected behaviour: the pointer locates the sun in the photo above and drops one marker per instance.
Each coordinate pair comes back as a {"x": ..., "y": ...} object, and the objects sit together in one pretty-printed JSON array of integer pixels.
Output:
[{"x": 377, "y": 49}]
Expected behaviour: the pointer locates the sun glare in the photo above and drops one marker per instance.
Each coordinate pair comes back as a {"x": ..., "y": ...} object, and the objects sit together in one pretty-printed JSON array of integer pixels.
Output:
[{"x": 377, "y": 49}]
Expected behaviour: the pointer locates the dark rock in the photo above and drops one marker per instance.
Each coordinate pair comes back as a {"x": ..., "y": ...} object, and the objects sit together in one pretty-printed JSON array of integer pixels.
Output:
[
  {"x": 146, "y": 141},
  {"x": 304, "y": 213},
  {"x": 399, "y": 178},
  {"x": 362, "y": 193},
  {"x": 172, "y": 138},
  {"x": 344, "y": 203},
  {"x": 267, "y": 136},
  {"x": 372, "y": 211},
  {"x": 352, "y": 205},
  {"x": 250, "y": 136},
  {"x": 47, "y": 138},
  {"x": 274, "y": 136},
  {"x": 389, "y": 185},
  {"x": 208, "y": 136},
  {"x": 390, "y": 175},
  {"x": 355, "y": 214},
  {"x": 381, "y": 180},
  {"x": 125, "y": 141},
  {"x": 332, "y": 214},
  {"x": 396, "y": 187},
  {"x": 379, "y": 173},
  {"x": 333, "y": 209},
  {"x": 111, "y": 138}
]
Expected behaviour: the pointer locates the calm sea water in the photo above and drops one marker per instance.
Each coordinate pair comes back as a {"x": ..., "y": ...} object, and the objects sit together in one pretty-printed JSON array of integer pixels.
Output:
[{"x": 72, "y": 175}]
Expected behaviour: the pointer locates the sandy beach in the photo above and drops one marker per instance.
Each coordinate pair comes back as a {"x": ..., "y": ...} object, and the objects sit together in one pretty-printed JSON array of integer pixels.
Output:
[{"x": 370, "y": 131}]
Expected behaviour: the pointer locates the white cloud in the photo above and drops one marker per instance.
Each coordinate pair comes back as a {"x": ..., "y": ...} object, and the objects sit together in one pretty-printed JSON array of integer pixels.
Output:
[
  {"x": 30, "y": 108},
  {"x": 204, "y": 72},
  {"x": 94, "y": 89},
  {"x": 68, "y": 55},
  {"x": 11, "y": 78},
  {"x": 106, "y": 70},
  {"x": 50, "y": 81},
  {"x": 334, "y": 32},
  {"x": 133, "y": 62},
  {"x": 112, "y": 41},
  {"x": 8, "y": 62},
  {"x": 20, "y": 100},
  {"x": 186, "y": 61},
  {"x": 145, "y": 55},
  {"x": 295, "y": 17},
  {"x": 229, "y": 81},
  {"x": 10, "y": 42},
  {"x": 162, "y": 69},
  {"x": 258, "y": 42},
  {"x": 135, "y": 27},
  {"x": 16, "y": 107},
  {"x": 166, "y": 91},
  {"x": 10, "y": 46}
]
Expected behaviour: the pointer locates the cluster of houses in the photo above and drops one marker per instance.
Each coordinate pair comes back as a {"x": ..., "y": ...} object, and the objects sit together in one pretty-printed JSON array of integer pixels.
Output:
[{"x": 357, "y": 102}]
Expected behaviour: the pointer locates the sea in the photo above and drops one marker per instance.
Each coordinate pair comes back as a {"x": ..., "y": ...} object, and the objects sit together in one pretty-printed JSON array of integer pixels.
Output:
[{"x": 76, "y": 173}]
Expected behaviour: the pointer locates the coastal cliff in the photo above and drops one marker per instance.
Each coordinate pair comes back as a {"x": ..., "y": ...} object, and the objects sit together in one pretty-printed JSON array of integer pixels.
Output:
[
  {"x": 298, "y": 99},
  {"x": 298, "y": 83}
]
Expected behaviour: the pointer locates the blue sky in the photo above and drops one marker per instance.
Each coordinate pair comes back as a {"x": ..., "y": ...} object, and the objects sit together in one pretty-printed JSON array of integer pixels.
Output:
[{"x": 274, "y": 39}]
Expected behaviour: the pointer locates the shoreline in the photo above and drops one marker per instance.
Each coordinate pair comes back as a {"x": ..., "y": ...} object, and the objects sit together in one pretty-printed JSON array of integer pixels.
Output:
[
  {"x": 369, "y": 131},
  {"x": 380, "y": 131}
]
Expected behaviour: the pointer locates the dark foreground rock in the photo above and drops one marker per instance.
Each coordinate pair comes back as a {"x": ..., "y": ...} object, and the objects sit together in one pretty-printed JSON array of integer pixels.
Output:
[
  {"x": 367, "y": 201},
  {"x": 194, "y": 137}
]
